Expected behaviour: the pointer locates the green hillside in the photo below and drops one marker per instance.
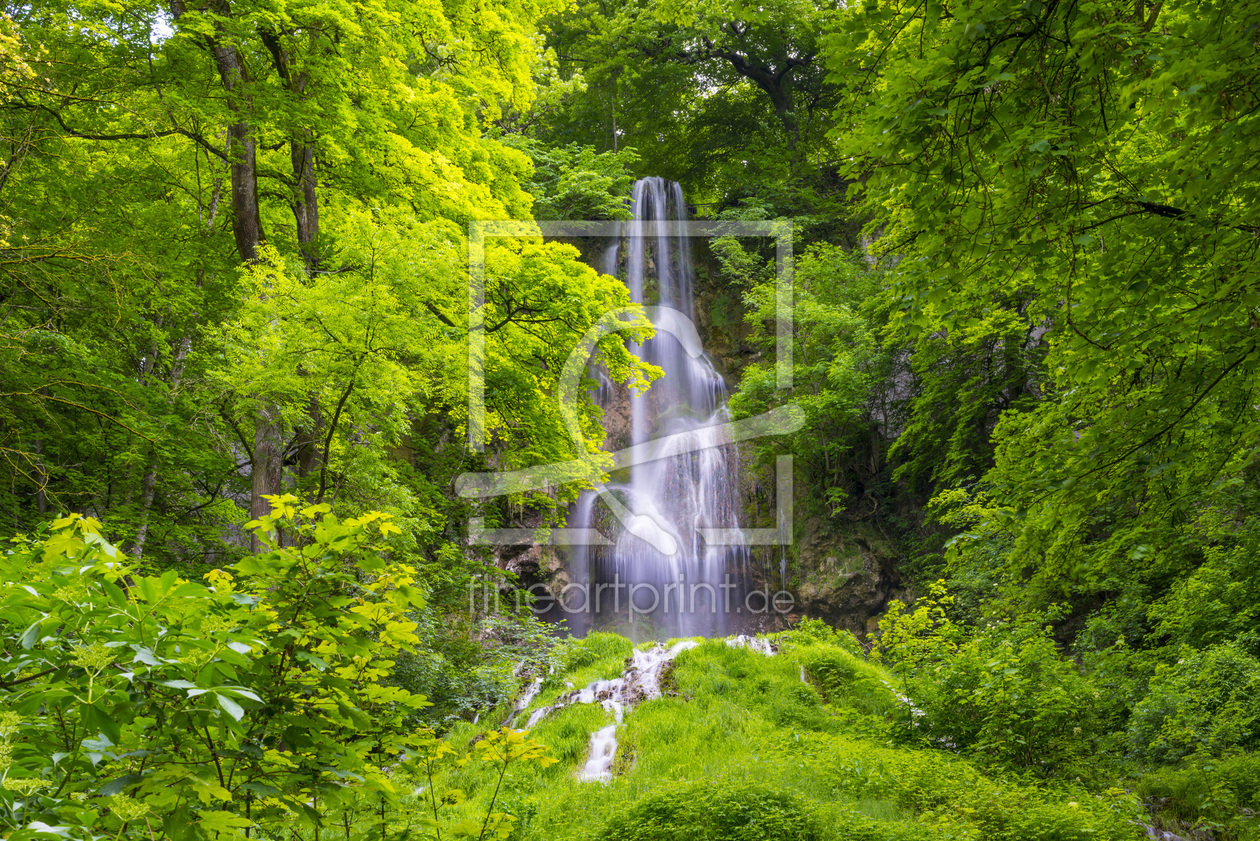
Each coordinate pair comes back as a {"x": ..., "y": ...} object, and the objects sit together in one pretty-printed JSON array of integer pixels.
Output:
[{"x": 809, "y": 743}]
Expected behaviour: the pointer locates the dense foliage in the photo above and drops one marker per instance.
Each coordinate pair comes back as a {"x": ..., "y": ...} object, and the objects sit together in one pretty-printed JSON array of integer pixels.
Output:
[
  {"x": 258, "y": 698},
  {"x": 235, "y": 245},
  {"x": 234, "y": 341},
  {"x": 1036, "y": 365}
]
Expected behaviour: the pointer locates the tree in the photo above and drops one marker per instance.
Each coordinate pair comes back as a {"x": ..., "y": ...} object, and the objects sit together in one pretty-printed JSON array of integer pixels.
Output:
[
  {"x": 730, "y": 99},
  {"x": 195, "y": 184},
  {"x": 842, "y": 378},
  {"x": 1084, "y": 170}
]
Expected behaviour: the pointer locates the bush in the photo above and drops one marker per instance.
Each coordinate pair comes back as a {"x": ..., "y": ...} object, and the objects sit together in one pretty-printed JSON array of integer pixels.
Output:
[
  {"x": 1207, "y": 702},
  {"x": 200, "y": 708},
  {"x": 949, "y": 794},
  {"x": 1219, "y": 795},
  {"x": 1010, "y": 696},
  {"x": 713, "y": 811},
  {"x": 1003, "y": 693},
  {"x": 138, "y": 704}
]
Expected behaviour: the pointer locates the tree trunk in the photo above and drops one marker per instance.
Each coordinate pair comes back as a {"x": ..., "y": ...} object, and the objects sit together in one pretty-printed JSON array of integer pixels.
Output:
[
  {"x": 305, "y": 197},
  {"x": 148, "y": 489},
  {"x": 306, "y": 214},
  {"x": 304, "y": 201},
  {"x": 247, "y": 229},
  {"x": 233, "y": 75},
  {"x": 246, "y": 223},
  {"x": 268, "y": 463}
]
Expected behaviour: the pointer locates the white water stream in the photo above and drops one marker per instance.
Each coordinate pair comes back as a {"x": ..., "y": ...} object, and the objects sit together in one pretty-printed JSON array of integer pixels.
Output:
[
  {"x": 641, "y": 681},
  {"x": 760, "y": 645}
]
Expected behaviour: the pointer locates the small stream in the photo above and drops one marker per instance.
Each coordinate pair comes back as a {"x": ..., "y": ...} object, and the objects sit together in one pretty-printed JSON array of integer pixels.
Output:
[{"x": 641, "y": 681}]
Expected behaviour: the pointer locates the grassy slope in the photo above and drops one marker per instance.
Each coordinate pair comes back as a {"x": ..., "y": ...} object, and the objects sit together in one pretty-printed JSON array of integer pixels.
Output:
[{"x": 741, "y": 748}]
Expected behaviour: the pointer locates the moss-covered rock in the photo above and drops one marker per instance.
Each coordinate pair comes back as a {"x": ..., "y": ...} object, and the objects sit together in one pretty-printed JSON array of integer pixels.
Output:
[{"x": 845, "y": 576}]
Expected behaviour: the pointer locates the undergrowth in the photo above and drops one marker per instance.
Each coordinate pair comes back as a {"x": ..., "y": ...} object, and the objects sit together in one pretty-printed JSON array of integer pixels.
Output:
[{"x": 808, "y": 744}]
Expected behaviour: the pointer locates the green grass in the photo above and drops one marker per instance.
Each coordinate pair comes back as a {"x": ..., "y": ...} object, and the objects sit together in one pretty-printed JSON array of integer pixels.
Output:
[
  {"x": 741, "y": 749},
  {"x": 598, "y": 656}
]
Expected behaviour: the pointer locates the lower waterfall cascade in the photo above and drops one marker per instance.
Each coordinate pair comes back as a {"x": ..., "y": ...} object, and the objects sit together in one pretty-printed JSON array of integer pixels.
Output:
[{"x": 641, "y": 681}]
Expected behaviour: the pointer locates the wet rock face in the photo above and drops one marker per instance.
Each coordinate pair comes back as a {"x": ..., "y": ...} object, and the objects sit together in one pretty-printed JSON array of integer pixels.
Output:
[
  {"x": 846, "y": 576},
  {"x": 526, "y": 561},
  {"x": 531, "y": 563},
  {"x": 616, "y": 417},
  {"x": 720, "y": 315}
]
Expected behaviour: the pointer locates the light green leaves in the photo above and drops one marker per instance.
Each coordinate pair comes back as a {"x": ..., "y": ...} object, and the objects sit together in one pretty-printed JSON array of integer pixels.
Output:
[{"x": 185, "y": 701}]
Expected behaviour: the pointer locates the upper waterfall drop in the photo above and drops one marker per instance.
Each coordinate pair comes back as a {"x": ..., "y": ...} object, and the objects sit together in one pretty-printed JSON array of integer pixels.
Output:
[{"x": 659, "y": 570}]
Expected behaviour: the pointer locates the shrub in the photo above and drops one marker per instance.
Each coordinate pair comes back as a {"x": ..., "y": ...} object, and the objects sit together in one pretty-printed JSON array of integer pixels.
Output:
[
  {"x": 949, "y": 794},
  {"x": 148, "y": 705},
  {"x": 1003, "y": 693},
  {"x": 1207, "y": 702},
  {"x": 196, "y": 708},
  {"x": 713, "y": 811},
  {"x": 1010, "y": 696},
  {"x": 1217, "y": 795},
  {"x": 912, "y": 640}
]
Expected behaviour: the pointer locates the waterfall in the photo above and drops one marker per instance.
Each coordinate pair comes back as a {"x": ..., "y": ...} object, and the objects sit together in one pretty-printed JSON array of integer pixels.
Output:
[{"x": 658, "y": 570}]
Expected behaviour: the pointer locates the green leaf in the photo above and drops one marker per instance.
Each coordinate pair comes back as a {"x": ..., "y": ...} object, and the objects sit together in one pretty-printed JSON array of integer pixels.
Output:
[
  {"x": 467, "y": 828},
  {"x": 217, "y": 821},
  {"x": 931, "y": 16},
  {"x": 120, "y": 784},
  {"x": 97, "y": 718},
  {"x": 177, "y": 684},
  {"x": 240, "y": 691},
  {"x": 231, "y": 707},
  {"x": 30, "y": 636},
  {"x": 261, "y": 789}
]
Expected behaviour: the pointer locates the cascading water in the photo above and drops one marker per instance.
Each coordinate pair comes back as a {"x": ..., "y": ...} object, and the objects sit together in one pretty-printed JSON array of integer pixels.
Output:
[
  {"x": 659, "y": 564},
  {"x": 641, "y": 681}
]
